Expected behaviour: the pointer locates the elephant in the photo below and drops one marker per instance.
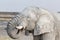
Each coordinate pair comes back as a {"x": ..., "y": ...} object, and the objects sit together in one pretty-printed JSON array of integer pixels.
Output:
[{"x": 38, "y": 21}]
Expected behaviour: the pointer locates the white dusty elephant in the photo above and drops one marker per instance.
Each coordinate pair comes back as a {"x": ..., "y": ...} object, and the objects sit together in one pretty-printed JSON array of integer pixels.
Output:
[{"x": 43, "y": 22}]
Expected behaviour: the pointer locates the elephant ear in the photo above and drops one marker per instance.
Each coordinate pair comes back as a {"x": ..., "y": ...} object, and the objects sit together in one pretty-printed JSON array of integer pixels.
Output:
[{"x": 45, "y": 24}]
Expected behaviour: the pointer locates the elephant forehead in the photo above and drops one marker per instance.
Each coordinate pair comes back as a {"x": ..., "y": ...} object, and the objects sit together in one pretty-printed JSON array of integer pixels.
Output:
[{"x": 31, "y": 12}]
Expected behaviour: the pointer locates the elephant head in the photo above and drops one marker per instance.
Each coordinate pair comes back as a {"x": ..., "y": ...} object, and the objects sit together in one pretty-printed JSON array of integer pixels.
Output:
[
  {"x": 16, "y": 25},
  {"x": 26, "y": 20}
]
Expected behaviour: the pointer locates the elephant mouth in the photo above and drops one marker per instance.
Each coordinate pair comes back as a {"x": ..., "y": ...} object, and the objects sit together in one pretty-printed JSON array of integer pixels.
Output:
[{"x": 18, "y": 32}]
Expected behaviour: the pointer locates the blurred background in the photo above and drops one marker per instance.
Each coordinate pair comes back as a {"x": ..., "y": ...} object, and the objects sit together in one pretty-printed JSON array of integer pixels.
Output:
[{"x": 19, "y": 5}]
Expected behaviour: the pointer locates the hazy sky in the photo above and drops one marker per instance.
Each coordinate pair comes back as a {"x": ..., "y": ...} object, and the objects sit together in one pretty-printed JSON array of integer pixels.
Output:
[{"x": 18, "y": 5}]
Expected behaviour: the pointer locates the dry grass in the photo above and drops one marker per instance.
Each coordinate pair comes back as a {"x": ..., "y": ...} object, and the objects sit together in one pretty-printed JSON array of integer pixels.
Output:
[{"x": 5, "y": 38}]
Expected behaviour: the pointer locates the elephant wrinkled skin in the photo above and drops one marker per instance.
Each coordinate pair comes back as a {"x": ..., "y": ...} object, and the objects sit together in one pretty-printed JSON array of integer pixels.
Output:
[{"x": 37, "y": 19}]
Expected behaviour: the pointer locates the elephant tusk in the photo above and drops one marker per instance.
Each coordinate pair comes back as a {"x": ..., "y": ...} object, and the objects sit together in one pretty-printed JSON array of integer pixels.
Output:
[{"x": 19, "y": 27}]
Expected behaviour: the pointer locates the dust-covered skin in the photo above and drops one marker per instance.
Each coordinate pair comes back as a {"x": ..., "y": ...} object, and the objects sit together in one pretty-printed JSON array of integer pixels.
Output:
[{"x": 34, "y": 18}]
